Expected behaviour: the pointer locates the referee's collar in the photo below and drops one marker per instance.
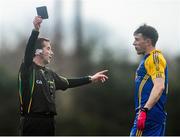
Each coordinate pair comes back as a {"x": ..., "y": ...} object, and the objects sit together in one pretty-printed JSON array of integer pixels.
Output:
[{"x": 38, "y": 66}]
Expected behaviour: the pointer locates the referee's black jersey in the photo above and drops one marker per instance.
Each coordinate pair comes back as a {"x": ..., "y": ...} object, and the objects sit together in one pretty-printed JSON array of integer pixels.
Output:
[{"x": 37, "y": 85}]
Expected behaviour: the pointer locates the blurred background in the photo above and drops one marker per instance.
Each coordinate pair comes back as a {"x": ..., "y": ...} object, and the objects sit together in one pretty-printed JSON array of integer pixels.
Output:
[{"x": 89, "y": 36}]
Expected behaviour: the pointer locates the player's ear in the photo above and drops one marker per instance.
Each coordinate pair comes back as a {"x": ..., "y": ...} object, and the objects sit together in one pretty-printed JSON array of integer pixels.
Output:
[{"x": 148, "y": 41}]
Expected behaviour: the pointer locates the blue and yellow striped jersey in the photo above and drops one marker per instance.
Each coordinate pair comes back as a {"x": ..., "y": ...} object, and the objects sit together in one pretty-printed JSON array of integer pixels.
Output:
[{"x": 152, "y": 66}]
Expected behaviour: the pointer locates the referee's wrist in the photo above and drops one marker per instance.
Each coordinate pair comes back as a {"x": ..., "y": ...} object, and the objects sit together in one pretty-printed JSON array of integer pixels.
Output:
[{"x": 90, "y": 78}]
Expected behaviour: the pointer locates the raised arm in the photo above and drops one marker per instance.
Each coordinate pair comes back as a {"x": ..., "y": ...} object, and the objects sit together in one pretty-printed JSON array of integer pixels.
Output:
[{"x": 29, "y": 52}]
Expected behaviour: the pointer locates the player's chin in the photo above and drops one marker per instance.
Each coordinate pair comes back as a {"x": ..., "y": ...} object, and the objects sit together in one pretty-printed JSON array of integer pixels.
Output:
[{"x": 139, "y": 52}]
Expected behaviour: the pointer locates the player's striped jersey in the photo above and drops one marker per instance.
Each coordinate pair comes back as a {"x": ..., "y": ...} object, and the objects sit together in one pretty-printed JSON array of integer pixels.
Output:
[{"x": 152, "y": 66}]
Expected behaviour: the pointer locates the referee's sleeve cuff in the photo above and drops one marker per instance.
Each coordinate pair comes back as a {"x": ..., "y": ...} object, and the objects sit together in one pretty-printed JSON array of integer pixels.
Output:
[{"x": 90, "y": 78}]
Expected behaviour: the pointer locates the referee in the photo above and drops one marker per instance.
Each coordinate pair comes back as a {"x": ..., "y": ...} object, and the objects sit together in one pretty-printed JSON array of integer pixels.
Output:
[{"x": 37, "y": 85}]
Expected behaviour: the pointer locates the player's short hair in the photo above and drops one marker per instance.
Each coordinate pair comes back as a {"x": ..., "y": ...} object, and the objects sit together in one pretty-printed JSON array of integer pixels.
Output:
[
  {"x": 148, "y": 32},
  {"x": 40, "y": 43}
]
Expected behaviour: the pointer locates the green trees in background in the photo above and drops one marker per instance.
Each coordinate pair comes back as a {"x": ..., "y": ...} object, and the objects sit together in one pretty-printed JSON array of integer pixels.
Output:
[
  {"x": 173, "y": 108},
  {"x": 8, "y": 103},
  {"x": 94, "y": 109}
]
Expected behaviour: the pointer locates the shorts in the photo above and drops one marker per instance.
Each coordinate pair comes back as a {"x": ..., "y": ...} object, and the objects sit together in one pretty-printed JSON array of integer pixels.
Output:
[
  {"x": 37, "y": 126},
  {"x": 151, "y": 129}
]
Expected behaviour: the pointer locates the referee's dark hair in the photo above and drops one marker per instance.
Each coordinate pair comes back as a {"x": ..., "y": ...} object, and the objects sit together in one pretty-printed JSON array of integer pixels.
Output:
[
  {"x": 40, "y": 43},
  {"x": 148, "y": 32}
]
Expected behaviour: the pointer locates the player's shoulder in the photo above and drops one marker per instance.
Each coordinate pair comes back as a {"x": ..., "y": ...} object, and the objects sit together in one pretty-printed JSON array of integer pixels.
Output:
[{"x": 155, "y": 56}]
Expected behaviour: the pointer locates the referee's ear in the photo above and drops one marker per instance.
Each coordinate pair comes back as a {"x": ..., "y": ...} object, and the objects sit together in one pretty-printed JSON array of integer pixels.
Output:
[{"x": 38, "y": 52}]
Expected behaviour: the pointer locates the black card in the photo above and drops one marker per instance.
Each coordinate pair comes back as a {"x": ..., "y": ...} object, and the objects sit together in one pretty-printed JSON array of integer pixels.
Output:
[{"x": 42, "y": 11}]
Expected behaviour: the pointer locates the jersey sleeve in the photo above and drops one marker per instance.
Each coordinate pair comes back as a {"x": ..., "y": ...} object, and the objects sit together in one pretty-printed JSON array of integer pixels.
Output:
[
  {"x": 64, "y": 83},
  {"x": 29, "y": 52},
  {"x": 60, "y": 82},
  {"x": 155, "y": 65},
  {"x": 79, "y": 81}
]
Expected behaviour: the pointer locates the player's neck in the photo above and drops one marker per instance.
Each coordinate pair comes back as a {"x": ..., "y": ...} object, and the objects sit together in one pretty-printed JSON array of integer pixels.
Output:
[{"x": 149, "y": 49}]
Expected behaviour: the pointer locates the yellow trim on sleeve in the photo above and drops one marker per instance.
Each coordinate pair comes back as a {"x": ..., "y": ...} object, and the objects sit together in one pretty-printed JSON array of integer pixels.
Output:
[
  {"x": 145, "y": 78},
  {"x": 155, "y": 65}
]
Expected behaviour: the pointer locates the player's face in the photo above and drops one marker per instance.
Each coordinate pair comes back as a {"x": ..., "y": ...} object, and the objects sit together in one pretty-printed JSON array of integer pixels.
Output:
[
  {"x": 140, "y": 43},
  {"x": 47, "y": 52}
]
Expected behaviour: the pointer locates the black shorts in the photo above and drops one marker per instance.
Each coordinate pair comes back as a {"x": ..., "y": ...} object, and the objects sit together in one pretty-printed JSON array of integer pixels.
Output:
[{"x": 37, "y": 126}]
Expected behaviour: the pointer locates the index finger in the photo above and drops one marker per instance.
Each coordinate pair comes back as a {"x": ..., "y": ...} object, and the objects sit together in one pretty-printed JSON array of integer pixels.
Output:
[{"x": 104, "y": 71}]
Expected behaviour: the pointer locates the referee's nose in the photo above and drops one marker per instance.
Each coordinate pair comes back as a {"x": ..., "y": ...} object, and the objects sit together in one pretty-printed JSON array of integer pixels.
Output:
[{"x": 52, "y": 53}]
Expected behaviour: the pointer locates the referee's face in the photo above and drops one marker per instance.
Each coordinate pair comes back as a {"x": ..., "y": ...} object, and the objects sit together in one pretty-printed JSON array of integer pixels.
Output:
[
  {"x": 47, "y": 52},
  {"x": 140, "y": 43}
]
